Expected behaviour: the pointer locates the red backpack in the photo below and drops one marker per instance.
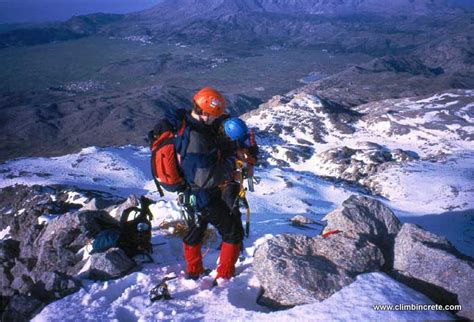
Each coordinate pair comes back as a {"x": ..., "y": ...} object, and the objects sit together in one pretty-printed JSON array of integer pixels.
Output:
[{"x": 165, "y": 160}]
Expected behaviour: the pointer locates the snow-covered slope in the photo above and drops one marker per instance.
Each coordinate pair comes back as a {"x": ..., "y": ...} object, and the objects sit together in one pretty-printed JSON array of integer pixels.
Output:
[
  {"x": 429, "y": 182},
  {"x": 393, "y": 147},
  {"x": 281, "y": 195}
]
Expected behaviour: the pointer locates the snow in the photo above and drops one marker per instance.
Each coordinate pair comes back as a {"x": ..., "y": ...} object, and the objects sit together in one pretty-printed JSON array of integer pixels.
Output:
[
  {"x": 281, "y": 194},
  {"x": 5, "y": 233},
  {"x": 46, "y": 218},
  {"x": 429, "y": 187},
  {"x": 121, "y": 171},
  {"x": 436, "y": 195}
]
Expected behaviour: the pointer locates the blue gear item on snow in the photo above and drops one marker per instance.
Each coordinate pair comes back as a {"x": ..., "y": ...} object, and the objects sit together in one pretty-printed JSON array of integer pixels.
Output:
[
  {"x": 236, "y": 129},
  {"x": 105, "y": 239}
]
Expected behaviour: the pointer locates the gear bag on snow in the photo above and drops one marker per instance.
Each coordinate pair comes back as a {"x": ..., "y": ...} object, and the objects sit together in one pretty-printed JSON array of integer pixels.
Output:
[
  {"x": 135, "y": 233},
  {"x": 106, "y": 239},
  {"x": 165, "y": 159},
  {"x": 132, "y": 236}
]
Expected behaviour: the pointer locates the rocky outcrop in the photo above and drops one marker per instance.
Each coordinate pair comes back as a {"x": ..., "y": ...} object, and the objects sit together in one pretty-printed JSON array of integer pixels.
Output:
[
  {"x": 429, "y": 263},
  {"x": 363, "y": 235},
  {"x": 295, "y": 269},
  {"x": 358, "y": 238},
  {"x": 110, "y": 264},
  {"x": 49, "y": 230},
  {"x": 368, "y": 218},
  {"x": 302, "y": 220},
  {"x": 356, "y": 165}
]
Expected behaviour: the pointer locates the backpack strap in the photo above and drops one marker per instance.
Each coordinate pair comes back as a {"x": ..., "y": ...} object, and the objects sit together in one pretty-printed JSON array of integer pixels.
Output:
[
  {"x": 155, "y": 147},
  {"x": 126, "y": 213},
  {"x": 145, "y": 207},
  {"x": 154, "y": 175}
]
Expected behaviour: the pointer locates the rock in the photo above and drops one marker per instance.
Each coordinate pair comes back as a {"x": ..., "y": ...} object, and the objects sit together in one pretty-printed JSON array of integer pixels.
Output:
[
  {"x": 27, "y": 239},
  {"x": 368, "y": 218},
  {"x": 56, "y": 285},
  {"x": 110, "y": 264},
  {"x": 401, "y": 155},
  {"x": 23, "y": 284},
  {"x": 299, "y": 219},
  {"x": 5, "y": 279},
  {"x": 22, "y": 267},
  {"x": 21, "y": 308},
  {"x": 9, "y": 249},
  {"x": 296, "y": 269},
  {"x": 116, "y": 212},
  {"x": 428, "y": 262},
  {"x": 58, "y": 245},
  {"x": 41, "y": 258},
  {"x": 353, "y": 165}
]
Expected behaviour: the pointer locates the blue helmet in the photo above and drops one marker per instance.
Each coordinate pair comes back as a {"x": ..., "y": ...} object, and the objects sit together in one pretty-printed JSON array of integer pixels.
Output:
[{"x": 236, "y": 129}]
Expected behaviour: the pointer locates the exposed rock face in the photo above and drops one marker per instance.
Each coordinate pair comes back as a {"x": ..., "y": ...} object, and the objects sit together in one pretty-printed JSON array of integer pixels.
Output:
[
  {"x": 355, "y": 165},
  {"x": 428, "y": 262},
  {"x": 110, "y": 264},
  {"x": 48, "y": 230},
  {"x": 299, "y": 219},
  {"x": 368, "y": 218},
  {"x": 295, "y": 269}
]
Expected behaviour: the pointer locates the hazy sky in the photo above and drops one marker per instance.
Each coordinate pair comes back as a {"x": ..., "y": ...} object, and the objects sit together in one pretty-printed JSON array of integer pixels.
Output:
[{"x": 12, "y": 11}]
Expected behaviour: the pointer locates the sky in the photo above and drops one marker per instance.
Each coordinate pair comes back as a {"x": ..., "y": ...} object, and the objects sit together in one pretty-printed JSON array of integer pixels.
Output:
[{"x": 19, "y": 11}]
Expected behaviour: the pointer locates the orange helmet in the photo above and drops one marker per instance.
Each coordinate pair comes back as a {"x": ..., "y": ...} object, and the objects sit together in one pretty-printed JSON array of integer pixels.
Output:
[{"x": 210, "y": 101}]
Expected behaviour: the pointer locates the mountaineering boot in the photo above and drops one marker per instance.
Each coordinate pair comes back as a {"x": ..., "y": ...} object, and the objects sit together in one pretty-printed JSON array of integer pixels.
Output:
[
  {"x": 229, "y": 255},
  {"x": 195, "y": 277},
  {"x": 193, "y": 257}
]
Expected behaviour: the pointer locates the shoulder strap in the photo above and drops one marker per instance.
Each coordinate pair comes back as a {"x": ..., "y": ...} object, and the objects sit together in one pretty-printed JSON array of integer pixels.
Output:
[
  {"x": 145, "y": 204},
  {"x": 126, "y": 213},
  {"x": 154, "y": 175}
]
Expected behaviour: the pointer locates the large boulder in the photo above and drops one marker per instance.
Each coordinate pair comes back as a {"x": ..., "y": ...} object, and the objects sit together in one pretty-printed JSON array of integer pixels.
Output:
[
  {"x": 430, "y": 264},
  {"x": 113, "y": 263},
  {"x": 296, "y": 269},
  {"x": 368, "y": 218},
  {"x": 58, "y": 244}
]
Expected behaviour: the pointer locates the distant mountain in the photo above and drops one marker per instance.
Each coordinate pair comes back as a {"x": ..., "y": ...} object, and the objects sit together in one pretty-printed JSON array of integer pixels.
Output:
[
  {"x": 76, "y": 27},
  {"x": 189, "y": 9},
  {"x": 371, "y": 26},
  {"x": 419, "y": 47}
]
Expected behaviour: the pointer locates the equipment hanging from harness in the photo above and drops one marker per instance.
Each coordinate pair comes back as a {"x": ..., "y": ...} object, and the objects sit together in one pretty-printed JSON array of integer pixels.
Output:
[
  {"x": 237, "y": 131},
  {"x": 187, "y": 208},
  {"x": 242, "y": 197}
]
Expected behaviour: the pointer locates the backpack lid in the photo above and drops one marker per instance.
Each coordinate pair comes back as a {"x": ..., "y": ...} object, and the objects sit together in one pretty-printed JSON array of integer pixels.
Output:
[{"x": 162, "y": 126}]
